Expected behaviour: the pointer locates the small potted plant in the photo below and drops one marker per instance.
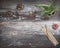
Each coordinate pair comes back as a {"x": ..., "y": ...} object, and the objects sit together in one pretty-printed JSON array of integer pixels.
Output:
[{"x": 47, "y": 10}]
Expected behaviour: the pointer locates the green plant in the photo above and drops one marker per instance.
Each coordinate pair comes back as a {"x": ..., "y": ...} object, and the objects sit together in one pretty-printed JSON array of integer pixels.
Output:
[{"x": 47, "y": 9}]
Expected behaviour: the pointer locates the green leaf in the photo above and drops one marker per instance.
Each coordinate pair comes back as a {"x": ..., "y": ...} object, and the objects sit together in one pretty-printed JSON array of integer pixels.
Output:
[
  {"x": 48, "y": 9},
  {"x": 42, "y": 5}
]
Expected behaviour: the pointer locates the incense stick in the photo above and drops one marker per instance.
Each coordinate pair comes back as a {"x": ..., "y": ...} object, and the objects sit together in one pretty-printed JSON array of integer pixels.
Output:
[{"x": 50, "y": 35}]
